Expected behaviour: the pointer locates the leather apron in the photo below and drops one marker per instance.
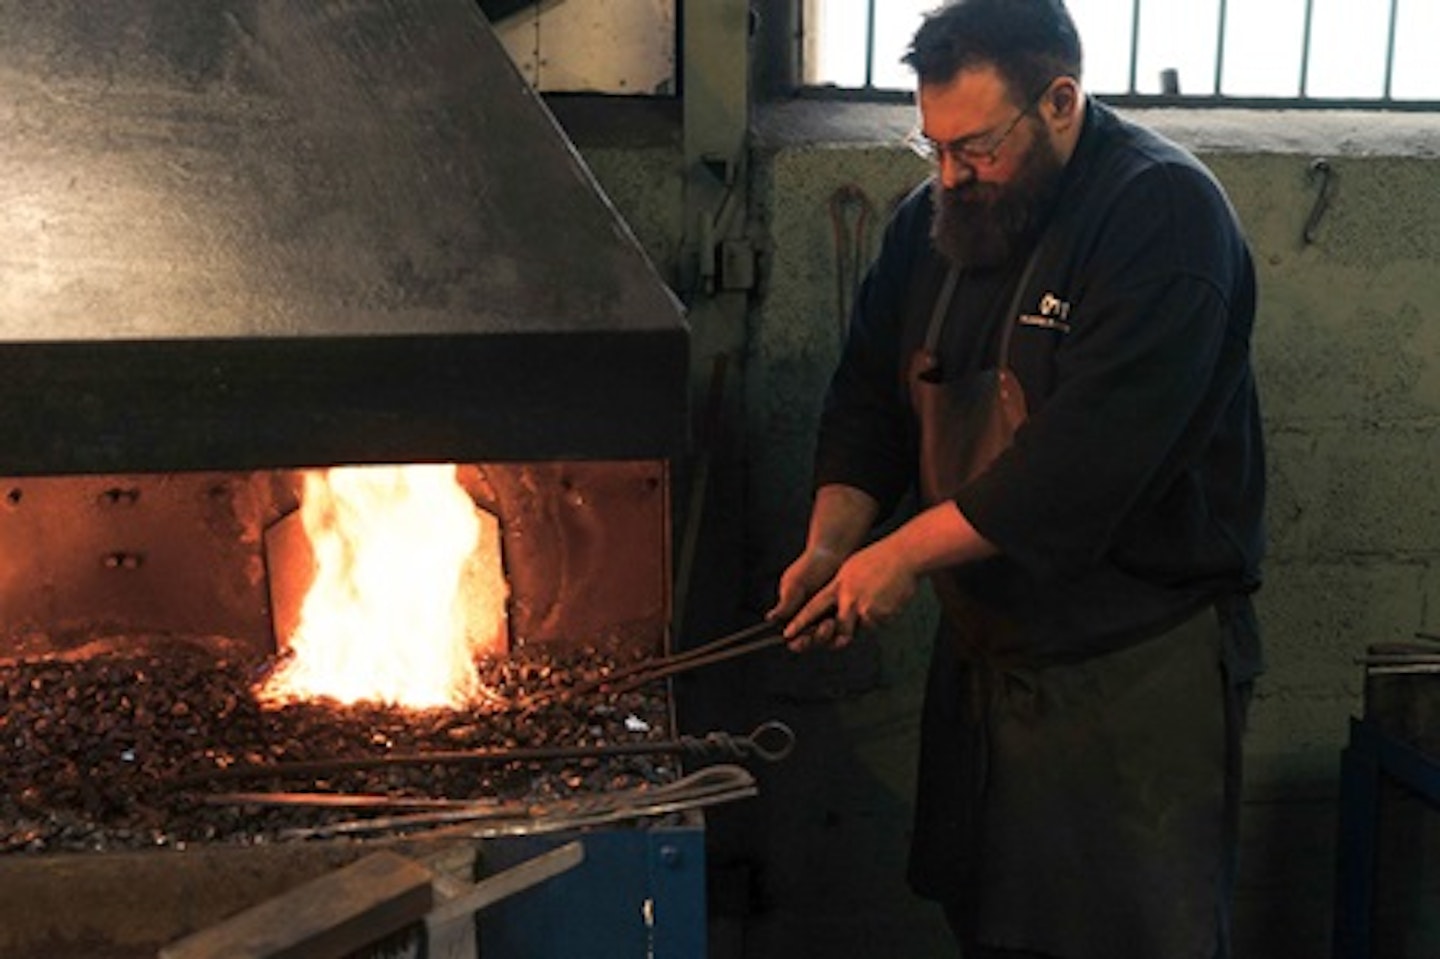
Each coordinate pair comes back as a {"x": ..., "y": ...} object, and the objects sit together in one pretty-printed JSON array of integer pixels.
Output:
[{"x": 1054, "y": 811}]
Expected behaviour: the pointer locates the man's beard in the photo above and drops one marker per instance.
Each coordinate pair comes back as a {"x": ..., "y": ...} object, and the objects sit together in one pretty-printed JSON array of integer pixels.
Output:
[{"x": 982, "y": 225}]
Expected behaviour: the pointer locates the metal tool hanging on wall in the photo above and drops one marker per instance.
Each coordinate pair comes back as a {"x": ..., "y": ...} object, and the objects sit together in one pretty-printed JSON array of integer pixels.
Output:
[
  {"x": 851, "y": 217},
  {"x": 1321, "y": 170}
]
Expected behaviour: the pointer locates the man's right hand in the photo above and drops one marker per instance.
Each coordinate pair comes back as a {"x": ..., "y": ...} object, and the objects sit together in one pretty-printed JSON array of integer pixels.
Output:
[
  {"x": 810, "y": 573},
  {"x": 839, "y": 521}
]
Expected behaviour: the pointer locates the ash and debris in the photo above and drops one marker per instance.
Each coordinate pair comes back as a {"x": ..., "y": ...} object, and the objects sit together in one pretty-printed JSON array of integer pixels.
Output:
[{"x": 97, "y": 740}]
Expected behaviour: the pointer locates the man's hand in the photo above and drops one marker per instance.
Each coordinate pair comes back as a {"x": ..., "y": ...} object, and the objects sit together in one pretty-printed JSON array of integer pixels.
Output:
[
  {"x": 827, "y": 599},
  {"x": 801, "y": 584},
  {"x": 869, "y": 588},
  {"x": 841, "y": 517}
]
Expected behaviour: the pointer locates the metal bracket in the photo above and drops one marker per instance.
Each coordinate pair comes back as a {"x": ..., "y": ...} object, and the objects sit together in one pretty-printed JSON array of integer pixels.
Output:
[{"x": 715, "y": 40}]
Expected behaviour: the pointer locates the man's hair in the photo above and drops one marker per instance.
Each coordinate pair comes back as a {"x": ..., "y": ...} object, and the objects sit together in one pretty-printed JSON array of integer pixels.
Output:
[{"x": 1028, "y": 42}]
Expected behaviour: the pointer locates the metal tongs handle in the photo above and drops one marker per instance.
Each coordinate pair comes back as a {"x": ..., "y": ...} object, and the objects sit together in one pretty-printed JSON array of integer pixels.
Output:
[{"x": 751, "y": 639}]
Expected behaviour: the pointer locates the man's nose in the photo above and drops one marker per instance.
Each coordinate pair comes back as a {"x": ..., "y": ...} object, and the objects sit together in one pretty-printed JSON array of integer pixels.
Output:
[{"x": 954, "y": 171}]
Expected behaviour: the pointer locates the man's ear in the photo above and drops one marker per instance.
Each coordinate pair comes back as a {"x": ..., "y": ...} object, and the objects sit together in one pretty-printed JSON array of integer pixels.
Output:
[{"x": 1064, "y": 101}]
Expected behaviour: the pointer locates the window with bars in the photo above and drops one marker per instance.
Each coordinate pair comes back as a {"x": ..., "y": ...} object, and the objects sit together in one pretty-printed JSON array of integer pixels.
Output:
[{"x": 1276, "y": 52}]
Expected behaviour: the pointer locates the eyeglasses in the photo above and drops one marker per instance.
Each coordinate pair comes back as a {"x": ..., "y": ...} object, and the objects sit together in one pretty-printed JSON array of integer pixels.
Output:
[{"x": 976, "y": 150}]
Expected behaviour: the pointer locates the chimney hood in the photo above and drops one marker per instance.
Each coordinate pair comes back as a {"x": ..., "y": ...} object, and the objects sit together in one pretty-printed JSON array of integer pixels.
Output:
[{"x": 268, "y": 233}]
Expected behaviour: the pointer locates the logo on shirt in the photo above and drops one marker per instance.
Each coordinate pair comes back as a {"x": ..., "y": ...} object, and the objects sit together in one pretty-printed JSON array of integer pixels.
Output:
[{"x": 1053, "y": 314}]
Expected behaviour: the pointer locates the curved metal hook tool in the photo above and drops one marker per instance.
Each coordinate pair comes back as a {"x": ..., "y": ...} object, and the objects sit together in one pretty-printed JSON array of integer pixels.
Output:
[{"x": 1320, "y": 169}]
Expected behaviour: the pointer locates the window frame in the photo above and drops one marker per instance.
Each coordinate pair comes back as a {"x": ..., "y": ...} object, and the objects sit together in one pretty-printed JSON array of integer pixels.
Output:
[{"x": 783, "y": 35}]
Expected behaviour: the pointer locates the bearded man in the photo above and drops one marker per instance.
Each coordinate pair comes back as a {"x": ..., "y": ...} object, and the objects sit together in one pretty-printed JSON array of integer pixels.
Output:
[{"x": 1053, "y": 350}]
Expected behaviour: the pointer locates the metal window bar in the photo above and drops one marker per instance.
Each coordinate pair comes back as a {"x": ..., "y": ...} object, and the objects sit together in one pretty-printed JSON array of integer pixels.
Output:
[
  {"x": 1221, "y": 21},
  {"x": 1304, "y": 48},
  {"x": 1218, "y": 98},
  {"x": 1134, "y": 41},
  {"x": 1390, "y": 47},
  {"x": 870, "y": 45}
]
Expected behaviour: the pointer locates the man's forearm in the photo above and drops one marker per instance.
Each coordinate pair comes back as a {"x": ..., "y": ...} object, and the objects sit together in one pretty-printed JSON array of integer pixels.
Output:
[
  {"x": 840, "y": 520},
  {"x": 935, "y": 538},
  {"x": 938, "y": 537},
  {"x": 837, "y": 585}
]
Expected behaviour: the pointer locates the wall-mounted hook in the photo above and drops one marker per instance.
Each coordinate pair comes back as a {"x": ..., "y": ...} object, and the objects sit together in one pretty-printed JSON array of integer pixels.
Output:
[{"x": 1320, "y": 169}]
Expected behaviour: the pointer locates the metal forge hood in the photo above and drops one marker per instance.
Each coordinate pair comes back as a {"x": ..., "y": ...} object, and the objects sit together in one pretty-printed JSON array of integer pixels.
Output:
[{"x": 260, "y": 233}]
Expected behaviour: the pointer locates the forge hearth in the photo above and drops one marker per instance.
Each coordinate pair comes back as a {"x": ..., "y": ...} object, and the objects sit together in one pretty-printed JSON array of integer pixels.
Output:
[
  {"x": 113, "y": 746},
  {"x": 143, "y": 611}
]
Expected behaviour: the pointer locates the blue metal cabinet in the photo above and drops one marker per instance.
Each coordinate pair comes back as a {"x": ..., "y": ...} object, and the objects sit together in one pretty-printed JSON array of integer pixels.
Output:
[
  {"x": 1369, "y": 753},
  {"x": 638, "y": 893}
]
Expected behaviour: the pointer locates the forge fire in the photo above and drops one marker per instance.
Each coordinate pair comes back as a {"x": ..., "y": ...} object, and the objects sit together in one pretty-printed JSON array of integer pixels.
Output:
[
  {"x": 166, "y": 628},
  {"x": 407, "y": 590}
]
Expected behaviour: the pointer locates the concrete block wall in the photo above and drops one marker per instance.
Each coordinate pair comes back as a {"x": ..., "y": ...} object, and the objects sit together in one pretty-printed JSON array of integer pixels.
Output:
[{"x": 1348, "y": 356}]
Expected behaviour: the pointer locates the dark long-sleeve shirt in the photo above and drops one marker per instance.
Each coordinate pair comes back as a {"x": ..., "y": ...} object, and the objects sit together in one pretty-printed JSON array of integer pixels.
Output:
[{"x": 1133, "y": 494}]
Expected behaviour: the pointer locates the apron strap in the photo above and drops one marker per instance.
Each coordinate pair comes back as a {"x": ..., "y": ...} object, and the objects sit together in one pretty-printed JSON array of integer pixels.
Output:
[
  {"x": 1013, "y": 313},
  {"x": 947, "y": 293},
  {"x": 942, "y": 307}
]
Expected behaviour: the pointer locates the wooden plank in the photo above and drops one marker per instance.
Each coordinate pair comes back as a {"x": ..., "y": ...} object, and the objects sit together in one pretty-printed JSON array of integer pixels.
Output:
[
  {"x": 325, "y": 918},
  {"x": 515, "y": 879}
]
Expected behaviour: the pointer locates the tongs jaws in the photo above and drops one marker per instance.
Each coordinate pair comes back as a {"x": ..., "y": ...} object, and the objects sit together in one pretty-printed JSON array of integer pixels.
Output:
[{"x": 762, "y": 635}]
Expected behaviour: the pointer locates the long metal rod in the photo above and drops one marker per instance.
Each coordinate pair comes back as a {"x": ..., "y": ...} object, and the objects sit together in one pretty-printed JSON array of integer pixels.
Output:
[
  {"x": 1413, "y": 669},
  {"x": 771, "y": 741},
  {"x": 1398, "y": 659},
  {"x": 322, "y": 800},
  {"x": 709, "y": 786}
]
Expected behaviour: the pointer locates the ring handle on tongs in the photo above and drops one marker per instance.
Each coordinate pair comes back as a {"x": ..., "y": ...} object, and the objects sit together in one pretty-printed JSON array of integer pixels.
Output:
[{"x": 772, "y": 729}]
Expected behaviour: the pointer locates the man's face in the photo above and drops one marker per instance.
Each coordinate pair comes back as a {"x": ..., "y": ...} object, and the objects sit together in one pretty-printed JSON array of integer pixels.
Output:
[{"x": 998, "y": 169}]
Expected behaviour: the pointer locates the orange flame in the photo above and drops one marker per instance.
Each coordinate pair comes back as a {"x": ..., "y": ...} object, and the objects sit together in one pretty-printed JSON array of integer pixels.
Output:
[{"x": 408, "y": 590}]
